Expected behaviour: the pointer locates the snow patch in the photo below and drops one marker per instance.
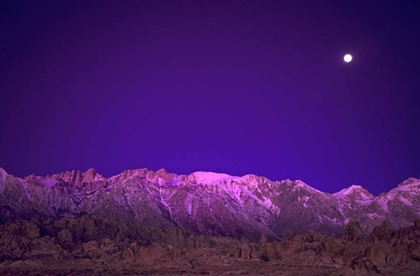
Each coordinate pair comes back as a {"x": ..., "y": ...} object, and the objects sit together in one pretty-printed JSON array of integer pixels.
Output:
[
  {"x": 251, "y": 180},
  {"x": 128, "y": 199},
  {"x": 156, "y": 179},
  {"x": 163, "y": 201},
  {"x": 391, "y": 195},
  {"x": 405, "y": 201},
  {"x": 301, "y": 184},
  {"x": 188, "y": 204},
  {"x": 98, "y": 177},
  {"x": 409, "y": 181},
  {"x": 210, "y": 177},
  {"x": 237, "y": 192},
  {"x": 174, "y": 182},
  {"x": 353, "y": 189},
  {"x": 234, "y": 191},
  {"x": 119, "y": 200},
  {"x": 345, "y": 192},
  {"x": 412, "y": 187},
  {"x": 331, "y": 220},
  {"x": 383, "y": 203},
  {"x": 275, "y": 209},
  {"x": 48, "y": 182},
  {"x": 364, "y": 202},
  {"x": 372, "y": 216}
]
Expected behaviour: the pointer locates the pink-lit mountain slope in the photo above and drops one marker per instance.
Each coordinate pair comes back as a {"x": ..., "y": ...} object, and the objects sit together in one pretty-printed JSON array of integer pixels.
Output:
[{"x": 205, "y": 202}]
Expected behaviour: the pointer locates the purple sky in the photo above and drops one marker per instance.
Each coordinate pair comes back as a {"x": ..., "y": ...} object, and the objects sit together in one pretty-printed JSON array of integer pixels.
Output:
[{"x": 240, "y": 87}]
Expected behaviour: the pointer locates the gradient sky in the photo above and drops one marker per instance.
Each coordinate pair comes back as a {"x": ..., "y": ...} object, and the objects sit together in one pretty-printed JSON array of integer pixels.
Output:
[{"x": 231, "y": 86}]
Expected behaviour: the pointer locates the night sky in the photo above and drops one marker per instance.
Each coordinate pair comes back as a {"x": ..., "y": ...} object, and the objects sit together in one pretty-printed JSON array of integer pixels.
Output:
[{"x": 236, "y": 87}]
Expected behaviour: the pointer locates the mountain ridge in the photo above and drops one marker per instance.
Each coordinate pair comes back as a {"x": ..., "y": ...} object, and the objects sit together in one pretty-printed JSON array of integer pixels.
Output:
[
  {"x": 75, "y": 175},
  {"x": 206, "y": 202}
]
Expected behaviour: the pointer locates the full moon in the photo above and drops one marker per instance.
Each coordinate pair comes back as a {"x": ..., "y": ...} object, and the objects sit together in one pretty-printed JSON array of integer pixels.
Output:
[{"x": 348, "y": 58}]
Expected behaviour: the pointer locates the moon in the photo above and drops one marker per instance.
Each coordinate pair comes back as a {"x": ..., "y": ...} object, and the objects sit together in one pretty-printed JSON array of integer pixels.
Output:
[{"x": 348, "y": 58}]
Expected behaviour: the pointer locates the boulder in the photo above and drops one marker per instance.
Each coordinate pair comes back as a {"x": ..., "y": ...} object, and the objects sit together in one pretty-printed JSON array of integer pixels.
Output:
[
  {"x": 152, "y": 255},
  {"x": 359, "y": 266},
  {"x": 307, "y": 258},
  {"x": 378, "y": 253},
  {"x": 384, "y": 232},
  {"x": 246, "y": 251}
]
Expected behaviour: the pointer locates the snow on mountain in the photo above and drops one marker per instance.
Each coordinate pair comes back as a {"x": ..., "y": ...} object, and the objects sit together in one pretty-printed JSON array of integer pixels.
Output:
[
  {"x": 346, "y": 191},
  {"x": 48, "y": 182},
  {"x": 174, "y": 182},
  {"x": 409, "y": 185},
  {"x": 357, "y": 190},
  {"x": 208, "y": 178},
  {"x": 407, "y": 193},
  {"x": 405, "y": 201},
  {"x": 301, "y": 184},
  {"x": 409, "y": 181},
  {"x": 383, "y": 201}
]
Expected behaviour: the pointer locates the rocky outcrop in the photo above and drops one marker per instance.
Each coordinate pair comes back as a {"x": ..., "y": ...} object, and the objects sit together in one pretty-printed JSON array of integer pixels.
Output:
[
  {"x": 246, "y": 251},
  {"x": 356, "y": 253},
  {"x": 359, "y": 266},
  {"x": 353, "y": 232},
  {"x": 382, "y": 233},
  {"x": 26, "y": 245}
]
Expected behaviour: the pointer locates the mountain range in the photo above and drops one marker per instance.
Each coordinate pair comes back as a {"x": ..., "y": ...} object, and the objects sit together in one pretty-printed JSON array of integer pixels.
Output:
[{"x": 206, "y": 203}]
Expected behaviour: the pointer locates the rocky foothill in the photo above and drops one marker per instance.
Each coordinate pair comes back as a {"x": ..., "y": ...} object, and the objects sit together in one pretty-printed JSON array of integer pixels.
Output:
[{"x": 89, "y": 246}]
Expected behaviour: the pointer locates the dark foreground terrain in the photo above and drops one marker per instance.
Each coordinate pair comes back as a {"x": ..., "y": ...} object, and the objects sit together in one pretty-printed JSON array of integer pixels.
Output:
[
  {"x": 234, "y": 268},
  {"x": 87, "y": 246}
]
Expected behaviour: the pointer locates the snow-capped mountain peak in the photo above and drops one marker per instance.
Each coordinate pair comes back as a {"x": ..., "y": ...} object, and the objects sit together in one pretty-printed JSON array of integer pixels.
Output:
[
  {"x": 411, "y": 185},
  {"x": 410, "y": 181},
  {"x": 355, "y": 190},
  {"x": 300, "y": 183},
  {"x": 206, "y": 178}
]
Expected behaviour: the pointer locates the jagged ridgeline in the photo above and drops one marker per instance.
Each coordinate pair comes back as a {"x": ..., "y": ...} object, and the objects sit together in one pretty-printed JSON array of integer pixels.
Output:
[{"x": 205, "y": 203}]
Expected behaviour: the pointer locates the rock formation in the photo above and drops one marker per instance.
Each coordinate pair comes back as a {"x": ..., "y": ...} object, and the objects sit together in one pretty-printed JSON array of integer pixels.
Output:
[{"x": 109, "y": 247}]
